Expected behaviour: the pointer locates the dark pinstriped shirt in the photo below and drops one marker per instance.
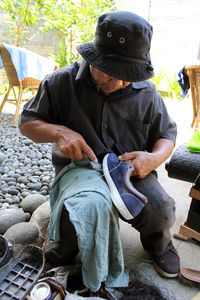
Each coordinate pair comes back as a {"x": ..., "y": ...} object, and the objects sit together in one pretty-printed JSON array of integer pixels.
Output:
[{"x": 130, "y": 119}]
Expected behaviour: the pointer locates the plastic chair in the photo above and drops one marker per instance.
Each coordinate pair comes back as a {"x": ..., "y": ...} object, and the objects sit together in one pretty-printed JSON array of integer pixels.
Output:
[
  {"x": 193, "y": 72},
  {"x": 14, "y": 82}
]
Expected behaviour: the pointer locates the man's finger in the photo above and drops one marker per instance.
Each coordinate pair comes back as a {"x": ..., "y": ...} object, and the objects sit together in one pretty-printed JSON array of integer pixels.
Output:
[
  {"x": 126, "y": 156},
  {"x": 90, "y": 154}
]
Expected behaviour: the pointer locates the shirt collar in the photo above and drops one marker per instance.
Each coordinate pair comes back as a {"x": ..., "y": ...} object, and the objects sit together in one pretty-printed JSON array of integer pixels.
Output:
[
  {"x": 83, "y": 72},
  {"x": 140, "y": 84}
]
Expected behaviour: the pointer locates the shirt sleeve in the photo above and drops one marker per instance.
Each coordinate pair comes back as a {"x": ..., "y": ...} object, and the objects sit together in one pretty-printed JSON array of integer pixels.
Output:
[
  {"x": 162, "y": 126},
  {"x": 38, "y": 107},
  {"x": 51, "y": 103}
]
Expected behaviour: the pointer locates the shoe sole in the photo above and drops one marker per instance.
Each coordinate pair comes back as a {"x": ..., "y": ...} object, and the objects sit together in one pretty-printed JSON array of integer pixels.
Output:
[
  {"x": 130, "y": 187},
  {"x": 116, "y": 198},
  {"x": 163, "y": 273}
]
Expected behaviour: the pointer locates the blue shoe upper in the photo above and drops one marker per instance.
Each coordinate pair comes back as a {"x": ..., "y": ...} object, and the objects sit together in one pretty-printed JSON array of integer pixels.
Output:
[{"x": 117, "y": 170}]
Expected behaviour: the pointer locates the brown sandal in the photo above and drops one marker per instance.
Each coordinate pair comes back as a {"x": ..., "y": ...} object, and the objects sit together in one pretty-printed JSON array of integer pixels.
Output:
[{"x": 190, "y": 274}]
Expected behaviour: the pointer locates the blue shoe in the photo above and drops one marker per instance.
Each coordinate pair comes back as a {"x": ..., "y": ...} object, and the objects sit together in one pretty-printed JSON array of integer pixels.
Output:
[{"x": 125, "y": 197}]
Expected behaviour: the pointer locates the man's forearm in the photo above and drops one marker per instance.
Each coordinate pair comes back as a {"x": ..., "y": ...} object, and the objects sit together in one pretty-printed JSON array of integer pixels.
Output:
[
  {"x": 40, "y": 131},
  {"x": 145, "y": 162},
  {"x": 70, "y": 143},
  {"x": 162, "y": 149}
]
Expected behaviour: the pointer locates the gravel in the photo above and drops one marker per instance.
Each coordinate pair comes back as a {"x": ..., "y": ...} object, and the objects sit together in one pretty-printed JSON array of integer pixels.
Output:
[{"x": 25, "y": 167}]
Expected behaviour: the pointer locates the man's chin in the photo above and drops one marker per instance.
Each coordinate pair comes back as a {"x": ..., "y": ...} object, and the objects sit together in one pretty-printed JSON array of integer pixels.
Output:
[{"x": 108, "y": 91}]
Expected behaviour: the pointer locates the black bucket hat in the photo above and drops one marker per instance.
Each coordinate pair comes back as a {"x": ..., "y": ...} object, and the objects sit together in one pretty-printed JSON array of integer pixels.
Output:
[{"x": 121, "y": 46}]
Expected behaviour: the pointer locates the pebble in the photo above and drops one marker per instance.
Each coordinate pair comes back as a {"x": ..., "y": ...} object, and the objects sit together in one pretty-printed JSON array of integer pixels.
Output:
[
  {"x": 9, "y": 217},
  {"x": 22, "y": 179},
  {"x": 2, "y": 157},
  {"x": 32, "y": 202},
  {"x": 23, "y": 233},
  {"x": 40, "y": 218}
]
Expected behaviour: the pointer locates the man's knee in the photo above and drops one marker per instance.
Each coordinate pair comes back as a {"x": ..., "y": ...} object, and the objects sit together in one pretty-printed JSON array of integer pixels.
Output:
[
  {"x": 155, "y": 217},
  {"x": 161, "y": 213},
  {"x": 95, "y": 203}
]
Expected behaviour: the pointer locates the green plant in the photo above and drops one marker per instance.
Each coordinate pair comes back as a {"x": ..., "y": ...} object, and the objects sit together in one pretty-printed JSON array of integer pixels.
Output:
[
  {"x": 21, "y": 15},
  {"x": 62, "y": 57},
  {"x": 166, "y": 86},
  {"x": 74, "y": 22},
  {"x": 3, "y": 90},
  {"x": 173, "y": 88},
  {"x": 157, "y": 79}
]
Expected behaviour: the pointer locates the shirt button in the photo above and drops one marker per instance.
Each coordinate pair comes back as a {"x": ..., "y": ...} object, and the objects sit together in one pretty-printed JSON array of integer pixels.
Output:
[{"x": 105, "y": 125}]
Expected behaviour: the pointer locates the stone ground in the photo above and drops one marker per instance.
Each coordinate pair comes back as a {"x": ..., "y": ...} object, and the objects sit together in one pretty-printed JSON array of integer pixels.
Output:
[{"x": 136, "y": 259}]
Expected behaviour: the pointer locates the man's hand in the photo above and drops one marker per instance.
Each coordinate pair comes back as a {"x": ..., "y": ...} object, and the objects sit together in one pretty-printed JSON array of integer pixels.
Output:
[
  {"x": 70, "y": 143},
  {"x": 145, "y": 162},
  {"x": 73, "y": 145},
  {"x": 141, "y": 161}
]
